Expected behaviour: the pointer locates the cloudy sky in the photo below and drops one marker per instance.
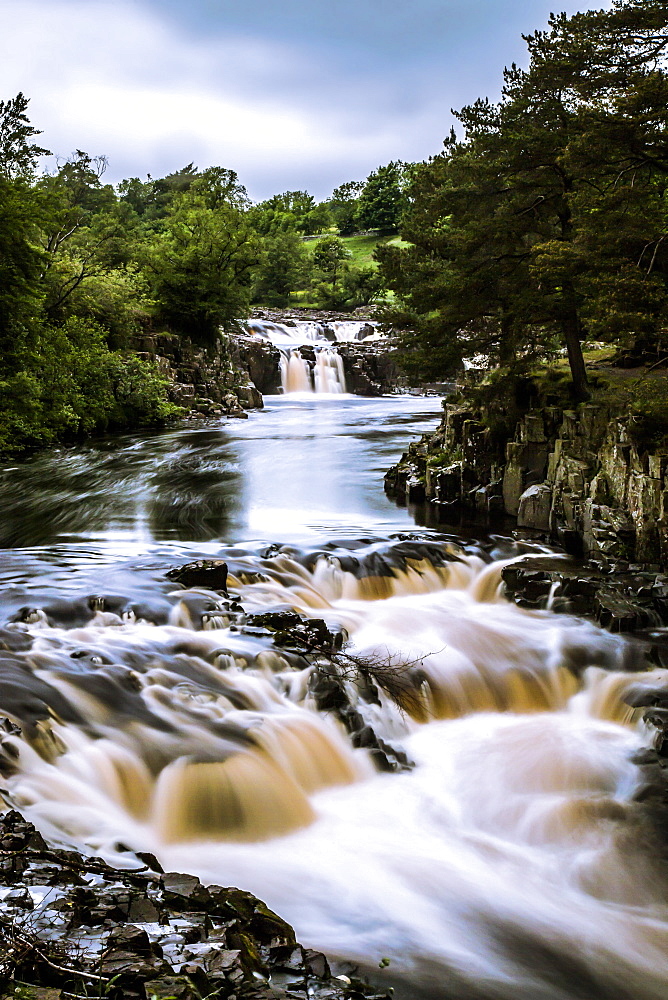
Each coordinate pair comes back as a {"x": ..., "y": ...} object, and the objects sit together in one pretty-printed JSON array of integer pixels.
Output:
[{"x": 289, "y": 93}]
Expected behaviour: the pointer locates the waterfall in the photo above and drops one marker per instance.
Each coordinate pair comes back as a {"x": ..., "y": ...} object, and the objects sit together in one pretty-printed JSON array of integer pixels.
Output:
[
  {"x": 328, "y": 375},
  {"x": 300, "y": 332},
  {"x": 295, "y": 372}
]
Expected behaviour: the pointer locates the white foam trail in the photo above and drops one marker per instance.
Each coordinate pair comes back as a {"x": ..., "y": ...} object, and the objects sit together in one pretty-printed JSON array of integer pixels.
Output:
[{"x": 510, "y": 862}]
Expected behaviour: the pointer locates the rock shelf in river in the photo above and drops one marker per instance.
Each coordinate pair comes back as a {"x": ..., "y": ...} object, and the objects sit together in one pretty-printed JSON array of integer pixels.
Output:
[{"x": 80, "y": 927}]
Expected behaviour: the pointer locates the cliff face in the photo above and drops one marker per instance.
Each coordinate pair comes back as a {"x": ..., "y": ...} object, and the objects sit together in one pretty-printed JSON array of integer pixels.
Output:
[
  {"x": 575, "y": 478},
  {"x": 573, "y": 475},
  {"x": 211, "y": 381}
]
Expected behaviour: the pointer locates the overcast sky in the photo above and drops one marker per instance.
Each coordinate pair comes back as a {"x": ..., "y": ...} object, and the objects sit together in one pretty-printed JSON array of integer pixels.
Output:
[{"x": 289, "y": 93}]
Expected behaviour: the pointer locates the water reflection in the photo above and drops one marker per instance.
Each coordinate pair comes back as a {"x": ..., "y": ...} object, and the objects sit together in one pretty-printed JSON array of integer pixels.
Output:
[
  {"x": 319, "y": 461},
  {"x": 299, "y": 468}
]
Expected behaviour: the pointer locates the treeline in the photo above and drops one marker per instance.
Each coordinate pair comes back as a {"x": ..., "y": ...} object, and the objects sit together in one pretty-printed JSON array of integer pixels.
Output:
[
  {"x": 546, "y": 221},
  {"x": 86, "y": 266},
  {"x": 543, "y": 223}
]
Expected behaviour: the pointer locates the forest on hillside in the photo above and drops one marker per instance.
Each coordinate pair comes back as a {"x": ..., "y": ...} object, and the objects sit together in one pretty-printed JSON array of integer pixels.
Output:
[{"x": 542, "y": 223}]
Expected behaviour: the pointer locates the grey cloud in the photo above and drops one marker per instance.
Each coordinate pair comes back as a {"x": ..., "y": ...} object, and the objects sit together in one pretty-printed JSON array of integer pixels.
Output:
[{"x": 290, "y": 95}]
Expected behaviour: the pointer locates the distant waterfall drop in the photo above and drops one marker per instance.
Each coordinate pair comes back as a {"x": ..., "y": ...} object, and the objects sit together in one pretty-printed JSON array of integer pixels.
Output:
[
  {"x": 327, "y": 377},
  {"x": 328, "y": 373},
  {"x": 295, "y": 372}
]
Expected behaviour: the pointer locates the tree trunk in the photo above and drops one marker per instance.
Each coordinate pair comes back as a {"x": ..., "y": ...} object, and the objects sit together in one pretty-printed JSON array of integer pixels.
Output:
[
  {"x": 507, "y": 340},
  {"x": 571, "y": 329}
]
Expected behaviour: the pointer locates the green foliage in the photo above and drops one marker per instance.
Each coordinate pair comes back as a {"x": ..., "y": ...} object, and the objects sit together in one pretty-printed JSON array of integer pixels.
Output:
[
  {"x": 68, "y": 298},
  {"x": 117, "y": 300},
  {"x": 199, "y": 263},
  {"x": 343, "y": 206},
  {"x": 383, "y": 198},
  {"x": 329, "y": 258},
  {"x": 548, "y": 218},
  {"x": 284, "y": 267},
  {"x": 649, "y": 424},
  {"x": 329, "y": 254},
  {"x": 18, "y": 155},
  {"x": 362, "y": 286},
  {"x": 20, "y": 266},
  {"x": 70, "y": 384},
  {"x": 295, "y": 211}
]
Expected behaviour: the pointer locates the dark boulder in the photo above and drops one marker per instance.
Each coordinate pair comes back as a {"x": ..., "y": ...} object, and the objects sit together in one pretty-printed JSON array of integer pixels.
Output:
[{"x": 208, "y": 573}]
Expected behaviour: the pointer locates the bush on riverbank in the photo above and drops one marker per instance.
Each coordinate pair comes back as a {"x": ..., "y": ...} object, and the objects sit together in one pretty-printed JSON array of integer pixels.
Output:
[{"x": 70, "y": 384}]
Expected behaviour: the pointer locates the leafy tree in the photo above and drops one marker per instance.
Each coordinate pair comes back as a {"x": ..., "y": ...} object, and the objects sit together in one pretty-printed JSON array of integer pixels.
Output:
[
  {"x": 330, "y": 257},
  {"x": 344, "y": 204},
  {"x": 551, "y": 201},
  {"x": 292, "y": 210},
  {"x": 141, "y": 196},
  {"x": 84, "y": 232},
  {"x": 383, "y": 198},
  {"x": 283, "y": 268},
  {"x": 70, "y": 384},
  {"x": 199, "y": 264},
  {"x": 20, "y": 268},
  {"x": 18, "y": 155},
  {"x": 329, "y": 254},
  {"x": 21, "y": 261},
  {"x": 215, "y": 188},
  {"x": 361, "y": 286}
]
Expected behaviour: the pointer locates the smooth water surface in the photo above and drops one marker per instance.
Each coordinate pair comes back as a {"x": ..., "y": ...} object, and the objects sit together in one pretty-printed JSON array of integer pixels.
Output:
[{"x": 105, "y": 514}]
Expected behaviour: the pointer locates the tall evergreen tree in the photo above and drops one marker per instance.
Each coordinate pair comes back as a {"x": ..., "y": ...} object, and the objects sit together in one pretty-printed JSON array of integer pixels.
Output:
[{"x": 553, "y": 196}]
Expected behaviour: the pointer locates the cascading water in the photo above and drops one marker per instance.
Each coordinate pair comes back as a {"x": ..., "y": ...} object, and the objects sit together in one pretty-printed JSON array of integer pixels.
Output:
[
  {"x": 295, "y": 372},
  {"x": 327, "y": 376},
  {"x": 431, "y": 777},
  {"x": 309, "y": 332}
]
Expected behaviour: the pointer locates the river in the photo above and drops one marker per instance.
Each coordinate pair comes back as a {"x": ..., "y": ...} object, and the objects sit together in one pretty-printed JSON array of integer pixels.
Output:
[{"x": 497, "y": 853}]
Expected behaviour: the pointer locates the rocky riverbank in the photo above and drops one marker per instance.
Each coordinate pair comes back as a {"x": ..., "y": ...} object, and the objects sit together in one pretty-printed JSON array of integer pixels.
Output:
[
  {"x": 210, "y": 381},
  {"x": 72, "y": 926},
  {"x": 574, "y": 477}
]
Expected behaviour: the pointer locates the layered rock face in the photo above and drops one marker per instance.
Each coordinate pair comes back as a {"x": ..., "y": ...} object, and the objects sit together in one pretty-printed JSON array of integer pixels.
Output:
[
  {"x": 211, "y": 381},
  {"x": 371, "y": 369},
  {"x": 573, "y": 477}
]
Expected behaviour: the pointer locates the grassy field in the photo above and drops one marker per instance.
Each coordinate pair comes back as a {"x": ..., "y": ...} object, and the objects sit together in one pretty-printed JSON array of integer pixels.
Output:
[
  {"x": 360, "y": 246},
  {"x": 363, "y": 245}
]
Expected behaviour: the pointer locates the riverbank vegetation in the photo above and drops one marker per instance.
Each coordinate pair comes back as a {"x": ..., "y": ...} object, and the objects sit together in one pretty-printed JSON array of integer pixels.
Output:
[
  {"x": 544, "y": 223},
  {"x": 541, "y": 226},
  {"x": 86, "y": 267}
]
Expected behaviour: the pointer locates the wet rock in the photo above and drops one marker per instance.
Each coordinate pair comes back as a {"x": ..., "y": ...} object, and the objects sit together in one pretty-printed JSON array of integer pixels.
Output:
[
  {"x": 208, "y": 573},
  {"x": 292, "y": 632},
  {"x": 14, "y": 641},
  {"x": 163, "y": 936},
  {"x": 534, "y": 507},
  {"x": 616, "y": 613},
  {"x": 328, "y": 690}
]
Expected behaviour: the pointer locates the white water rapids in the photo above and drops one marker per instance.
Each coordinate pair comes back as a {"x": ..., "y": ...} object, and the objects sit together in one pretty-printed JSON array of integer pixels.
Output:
[
  {"x": 508, "y": 862},
  {"x": 505, "y": 854}
]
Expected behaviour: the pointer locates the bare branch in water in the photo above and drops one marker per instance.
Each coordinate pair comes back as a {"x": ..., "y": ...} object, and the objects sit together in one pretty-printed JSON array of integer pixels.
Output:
[{"x": 402, "y": 680}]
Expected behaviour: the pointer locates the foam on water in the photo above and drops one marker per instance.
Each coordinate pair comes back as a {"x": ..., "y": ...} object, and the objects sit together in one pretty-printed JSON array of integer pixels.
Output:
[{"x": 510, "y": 861}]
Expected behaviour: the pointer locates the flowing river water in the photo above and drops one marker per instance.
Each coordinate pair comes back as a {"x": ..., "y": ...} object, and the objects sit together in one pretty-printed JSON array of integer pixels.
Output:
[{"x": 498, "y": 853}]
